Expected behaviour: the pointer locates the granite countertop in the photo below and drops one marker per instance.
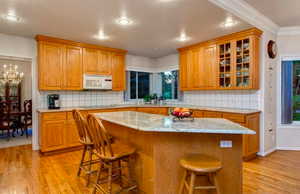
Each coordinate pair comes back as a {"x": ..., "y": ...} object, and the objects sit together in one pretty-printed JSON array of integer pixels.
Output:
[
  {"x": 158, "y": 123},
  {"x": 219, "y": 109}
]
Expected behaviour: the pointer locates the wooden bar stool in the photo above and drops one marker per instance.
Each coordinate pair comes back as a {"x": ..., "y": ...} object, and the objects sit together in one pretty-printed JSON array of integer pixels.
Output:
[
  {"x": 112, "y": 157},
  {"x": 199, "y": 165},
  {"x": 84, "y": 139}
]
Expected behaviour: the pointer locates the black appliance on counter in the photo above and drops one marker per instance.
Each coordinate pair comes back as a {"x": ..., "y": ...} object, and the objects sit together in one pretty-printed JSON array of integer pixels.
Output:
[{"x": 53, "y": 101}]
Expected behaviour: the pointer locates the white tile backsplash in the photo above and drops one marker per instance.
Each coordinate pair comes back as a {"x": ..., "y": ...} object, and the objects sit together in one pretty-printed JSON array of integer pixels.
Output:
[
  {"x": 84, "y": 98},
  {"x": 247, "y": 99}
]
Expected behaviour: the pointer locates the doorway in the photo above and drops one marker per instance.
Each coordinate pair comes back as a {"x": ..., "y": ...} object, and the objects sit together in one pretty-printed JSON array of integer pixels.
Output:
[{"x": 16, "y": 94}]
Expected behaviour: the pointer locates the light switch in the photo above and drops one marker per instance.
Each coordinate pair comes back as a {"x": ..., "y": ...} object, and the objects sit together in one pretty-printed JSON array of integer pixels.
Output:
[{"x": 226, "y": 144}]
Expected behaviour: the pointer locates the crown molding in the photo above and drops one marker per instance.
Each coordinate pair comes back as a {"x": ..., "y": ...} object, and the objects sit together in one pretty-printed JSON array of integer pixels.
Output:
[
  {"x": 292, "y": 30},
  {"x": 247, "y": 13}
]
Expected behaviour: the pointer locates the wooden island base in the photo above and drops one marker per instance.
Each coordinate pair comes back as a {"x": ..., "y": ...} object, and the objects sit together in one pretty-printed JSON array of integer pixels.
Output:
[{"x": 156, "y": 165}]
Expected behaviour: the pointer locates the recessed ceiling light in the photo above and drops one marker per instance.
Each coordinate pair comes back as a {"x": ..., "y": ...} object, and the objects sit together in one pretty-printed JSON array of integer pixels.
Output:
[
  {"x": 183, "y": 38},
  {"x": 101, "y": 36},
  {"x": 124, "y": 21},
  {"x": 12, "y": 18},
  {"x": 229, "y": 23}
]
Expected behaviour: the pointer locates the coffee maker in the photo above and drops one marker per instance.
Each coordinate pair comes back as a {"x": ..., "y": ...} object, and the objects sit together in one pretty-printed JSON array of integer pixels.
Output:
[{"x": 53, "y": 101}]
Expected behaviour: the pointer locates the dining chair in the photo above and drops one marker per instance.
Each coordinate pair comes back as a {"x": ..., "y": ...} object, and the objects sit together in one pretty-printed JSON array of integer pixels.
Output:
[
  {"x": 112, "y": 156},
  {"x": 84, "y": 139},
  {"x": 27, "y": 121},
  {"x": 6, "y": 123}
]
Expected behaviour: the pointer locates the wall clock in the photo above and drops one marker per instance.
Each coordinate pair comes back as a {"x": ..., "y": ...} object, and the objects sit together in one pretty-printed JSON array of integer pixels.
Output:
[{"x": 272, "y": 49}]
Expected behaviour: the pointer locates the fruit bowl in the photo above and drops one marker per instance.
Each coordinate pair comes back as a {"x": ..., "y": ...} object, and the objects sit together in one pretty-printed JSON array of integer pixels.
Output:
[{"x": 181, "y": 114}]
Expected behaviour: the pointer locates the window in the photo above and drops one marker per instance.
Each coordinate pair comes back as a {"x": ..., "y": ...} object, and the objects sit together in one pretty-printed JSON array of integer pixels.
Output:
[
  {"x": 170, "y": 84},
  {"x": 296, "y": 90},
  {"x": 290, "y": 92},
  {"x": 139, "y": 84},
  {"x": 142, "y": 84}
]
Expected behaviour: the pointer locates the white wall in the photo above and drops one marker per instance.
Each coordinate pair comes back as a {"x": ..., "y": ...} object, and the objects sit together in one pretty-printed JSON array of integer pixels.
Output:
[
  {"x": 19, "y": 47},
  {"x": 288, "y": 136},
  {"x": 138, "y": 63}
]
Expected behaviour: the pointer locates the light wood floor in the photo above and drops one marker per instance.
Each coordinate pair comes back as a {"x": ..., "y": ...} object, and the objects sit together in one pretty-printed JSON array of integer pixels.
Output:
[{"x": 23, "y": 171}]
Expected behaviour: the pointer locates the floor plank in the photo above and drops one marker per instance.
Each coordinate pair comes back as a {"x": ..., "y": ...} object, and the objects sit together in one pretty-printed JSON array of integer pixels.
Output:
[{"x": 23, "y": 171}]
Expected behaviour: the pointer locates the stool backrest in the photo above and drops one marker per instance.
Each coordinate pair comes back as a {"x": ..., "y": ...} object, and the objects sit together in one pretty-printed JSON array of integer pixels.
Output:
[
  {"x": 81, "y": 124},
  {"x": 99, "y": 136}
]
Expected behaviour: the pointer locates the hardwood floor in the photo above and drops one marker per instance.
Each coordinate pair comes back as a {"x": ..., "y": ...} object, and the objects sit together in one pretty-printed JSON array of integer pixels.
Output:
[
  {"x": 278, "y": 173},
  {"x": 23, "y": 171}
]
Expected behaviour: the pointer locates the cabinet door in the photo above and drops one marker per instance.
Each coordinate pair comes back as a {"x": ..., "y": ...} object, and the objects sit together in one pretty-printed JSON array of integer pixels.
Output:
[
  {"x": 225, "y": 65},
  {"x": 185, "y": 70},
  {"x": 251, "y": 142},
  {"x": 53, "y": 133},
  {"x": 104, "y": 63},
  {"x": 197, "y": 69},
  {"x": 118, "y": 72},
  {"x": 73, "y": 68},
  {"x": 209, "y": 75},
  {"x": 90, "y": 61},
  {"x": 50, "y": 66},
  {"x": 72, "y": 137}
]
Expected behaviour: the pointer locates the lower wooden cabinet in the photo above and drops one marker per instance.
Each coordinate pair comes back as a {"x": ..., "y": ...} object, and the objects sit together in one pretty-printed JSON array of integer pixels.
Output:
[
  {"x": 151, "y": 110},
  {"x": 58, "y": 130}
]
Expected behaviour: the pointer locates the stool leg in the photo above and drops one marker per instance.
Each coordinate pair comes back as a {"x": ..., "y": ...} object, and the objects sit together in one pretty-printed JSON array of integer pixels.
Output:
[
  {"x": 81, "y": 161},
  {"x": 120, "y": 172},
  {"x": 216, "y": 183},
  {"x": 90, "y": 165},
  {"x": 181, "y": 188},
  {"x": 192, "y": 183},
  {"x": 109, "y": 188}
]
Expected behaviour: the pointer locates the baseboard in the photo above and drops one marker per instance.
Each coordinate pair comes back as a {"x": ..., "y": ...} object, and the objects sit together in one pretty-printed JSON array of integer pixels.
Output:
[
  {"x": 35, "y": 147},
  {"x": 267, "y": 152},
  {"x": 289, "y": 148}
]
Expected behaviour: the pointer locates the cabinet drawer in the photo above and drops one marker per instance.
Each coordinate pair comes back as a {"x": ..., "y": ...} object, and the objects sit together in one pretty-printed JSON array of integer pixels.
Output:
[
  {"x": 197, "y": 114},
  {"x": 239, "y": 118},
  {"x": 211, "y": 114},
  {"x": 54, "y": 116}
]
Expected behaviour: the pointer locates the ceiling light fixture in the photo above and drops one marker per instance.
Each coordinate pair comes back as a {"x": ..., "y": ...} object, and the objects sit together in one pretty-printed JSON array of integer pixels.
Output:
[
  {"x": 124, "y": 21},
  {"x": 183, "y": 38},
  {"x": 229, "y": 23},
  {"x": 101, "y": 36},
  {"x": 12, "y": 18}
]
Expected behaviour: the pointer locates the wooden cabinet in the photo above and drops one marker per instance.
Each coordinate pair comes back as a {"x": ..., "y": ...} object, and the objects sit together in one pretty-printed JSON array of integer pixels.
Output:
[
  {"x": 73, "y": 68},
  {"x": 118, "y": 73},
  {"x": 151, "y": 110},
  {"x": 97, "y": 62},
  {"x": 212, "y": 114},
  {"x": 60, "y": 67},
  {"x": 57, "y": 131},
  {"x": 51, "y": 62},
  {"x": 62, "y": 63},
  {"x": 229, "y": 62}
]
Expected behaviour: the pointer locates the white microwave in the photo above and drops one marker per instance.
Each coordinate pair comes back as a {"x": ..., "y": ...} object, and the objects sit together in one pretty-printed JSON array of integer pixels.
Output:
[{"x": 97, "y": 82}]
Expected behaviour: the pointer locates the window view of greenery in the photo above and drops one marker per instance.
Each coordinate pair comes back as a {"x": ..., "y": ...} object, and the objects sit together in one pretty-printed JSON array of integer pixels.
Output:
[
  {"x": 296, "y": 90},
  {"x": 170, "y": 84},
  {"x": 140, "y": 84}
]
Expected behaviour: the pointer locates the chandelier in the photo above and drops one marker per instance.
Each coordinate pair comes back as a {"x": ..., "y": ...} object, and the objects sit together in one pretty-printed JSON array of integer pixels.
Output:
[{"x": 11, "y": 75}]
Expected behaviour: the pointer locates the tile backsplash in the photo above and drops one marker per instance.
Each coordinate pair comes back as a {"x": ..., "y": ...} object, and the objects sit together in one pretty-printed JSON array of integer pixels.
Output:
[
  {"x": 84, "y": 98},
  {"x": 247, "y": 99}
]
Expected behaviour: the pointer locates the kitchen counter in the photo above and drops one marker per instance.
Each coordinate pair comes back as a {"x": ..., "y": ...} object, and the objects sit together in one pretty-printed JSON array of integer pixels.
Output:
[
  {"x": 160, "y": 123},
  {"x": 161, "y": 143},
  {"x": 218, "y": 109}
]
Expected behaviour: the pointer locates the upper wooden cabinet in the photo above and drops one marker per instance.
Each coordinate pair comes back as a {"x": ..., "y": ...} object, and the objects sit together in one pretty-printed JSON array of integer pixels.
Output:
[
  {"x": 228, "y": 62},
  {"x": 97, "y": 62},
  {"x": 62, "y": 63},
  {"x": 51, "y": 60},
  {"x": 118, "y": 73}
]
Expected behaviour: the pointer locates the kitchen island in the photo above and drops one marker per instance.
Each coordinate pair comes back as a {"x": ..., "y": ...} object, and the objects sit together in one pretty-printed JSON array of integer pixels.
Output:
[{"x": 161, "y": 142}]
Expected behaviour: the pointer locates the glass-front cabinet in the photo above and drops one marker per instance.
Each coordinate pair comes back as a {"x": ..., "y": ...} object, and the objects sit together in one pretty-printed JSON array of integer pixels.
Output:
[
  {"x": 238, "y": 63},
  {"x": 225, "y": 65},
  {"x": 242, "y": 65}
]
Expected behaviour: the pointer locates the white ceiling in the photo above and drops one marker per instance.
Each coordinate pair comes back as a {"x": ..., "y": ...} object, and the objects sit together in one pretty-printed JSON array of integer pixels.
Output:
[
  {"x": 282, "y": 12},
  {"x": 156, "y": 22}
]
